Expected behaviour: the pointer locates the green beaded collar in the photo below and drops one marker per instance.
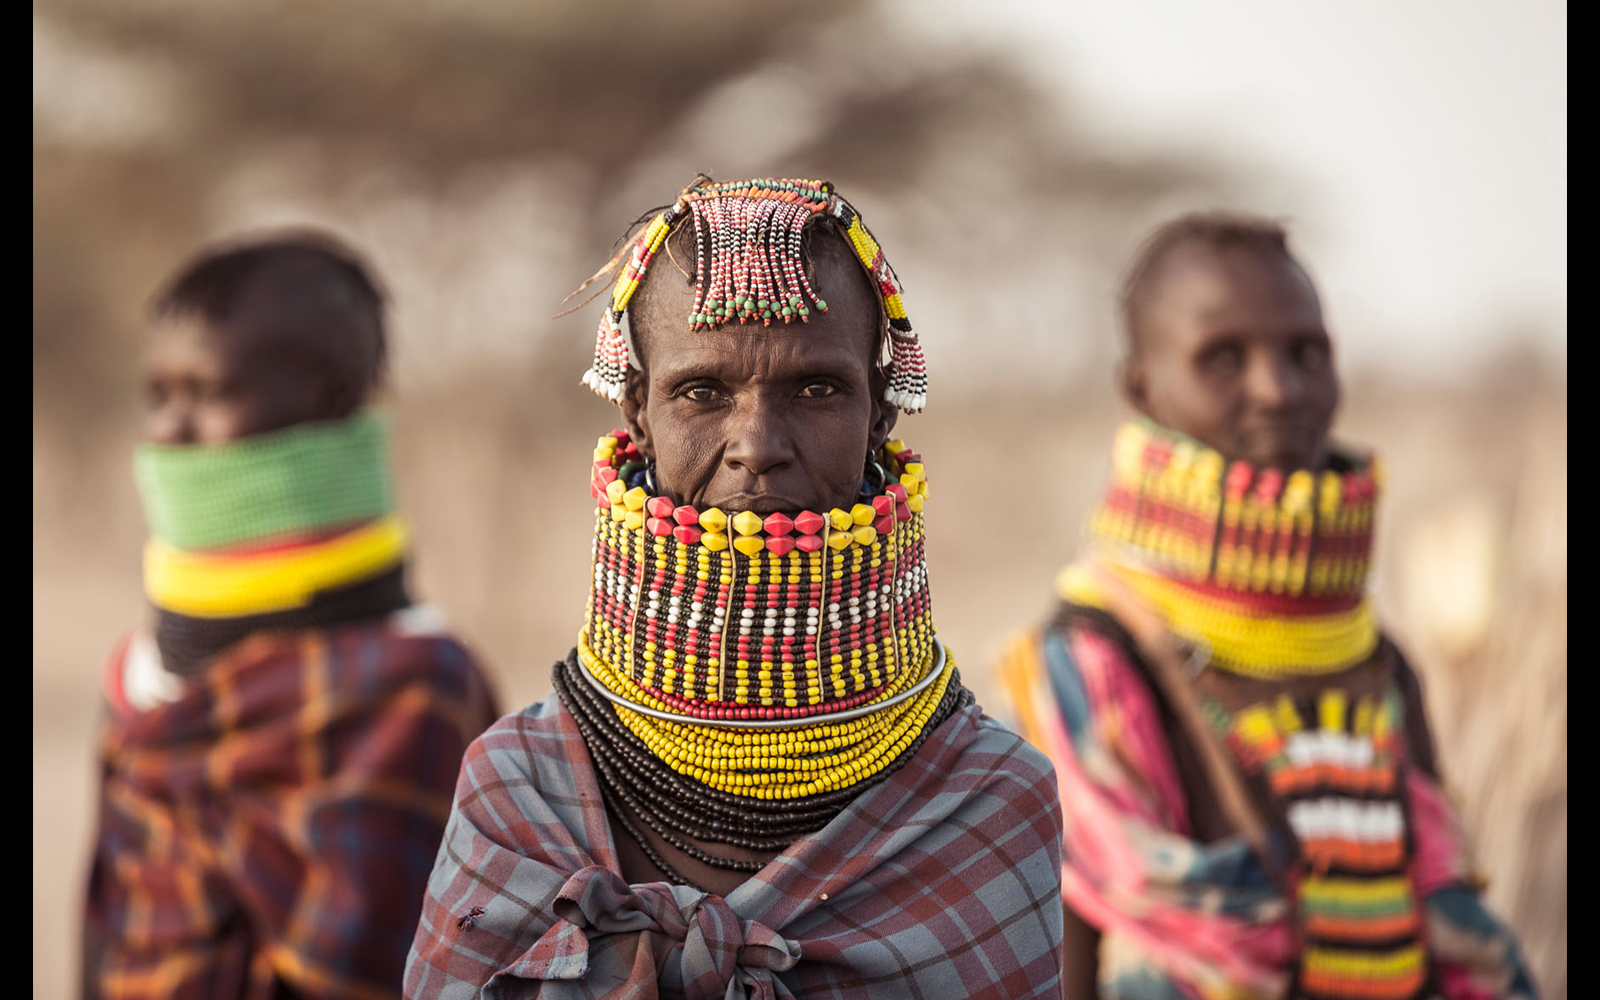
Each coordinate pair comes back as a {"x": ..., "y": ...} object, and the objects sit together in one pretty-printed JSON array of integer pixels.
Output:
[{"x": 287, "y": 483}]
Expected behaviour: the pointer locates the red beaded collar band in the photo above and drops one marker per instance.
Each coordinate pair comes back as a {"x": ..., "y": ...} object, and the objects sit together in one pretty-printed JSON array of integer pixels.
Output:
[{"x": 790, "y": 616}]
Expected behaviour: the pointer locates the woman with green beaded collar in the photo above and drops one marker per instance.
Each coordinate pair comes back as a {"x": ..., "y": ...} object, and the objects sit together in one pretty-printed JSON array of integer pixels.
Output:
[
  {"x": 282, "y": 744},
  {"x": 759, "y": 774},
  {"x": 1253, "y": 804}
]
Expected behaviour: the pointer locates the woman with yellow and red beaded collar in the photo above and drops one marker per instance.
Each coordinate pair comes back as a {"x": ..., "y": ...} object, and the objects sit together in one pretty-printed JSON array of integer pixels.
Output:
[
  {"x": 760, "y": 774},
  {"x": 1252, "y": 802}
]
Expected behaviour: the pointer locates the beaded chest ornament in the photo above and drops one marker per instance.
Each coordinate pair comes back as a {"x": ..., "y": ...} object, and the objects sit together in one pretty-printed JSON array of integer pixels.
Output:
[{"x": 749, "y": 268}]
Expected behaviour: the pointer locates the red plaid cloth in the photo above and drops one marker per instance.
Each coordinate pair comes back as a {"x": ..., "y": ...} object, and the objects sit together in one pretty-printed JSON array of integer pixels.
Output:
[
  {"x": 271, "y": 831},
  {"x": 943, "y": 881}
]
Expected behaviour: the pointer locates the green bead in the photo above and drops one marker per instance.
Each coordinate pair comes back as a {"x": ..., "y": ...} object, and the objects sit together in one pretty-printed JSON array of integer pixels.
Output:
[
  {"x": 788, "y": 311},
  {"x": 804, "y": 311},
  {"x": 762, "y": 304},
  {"x": 822, "y": 305},
  {"x": 766, "y": 314}
]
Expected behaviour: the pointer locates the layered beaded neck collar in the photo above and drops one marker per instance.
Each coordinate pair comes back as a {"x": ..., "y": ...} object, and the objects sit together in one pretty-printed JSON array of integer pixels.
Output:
[
  {"x": 729, "y": 617},
  {"x": 1268, "y": 569}
]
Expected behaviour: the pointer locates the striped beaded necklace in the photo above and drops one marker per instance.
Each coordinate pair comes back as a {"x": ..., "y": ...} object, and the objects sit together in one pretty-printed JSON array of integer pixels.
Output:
[
  {"x": 741, "y": 679},
  {"x": 1267, "y": 571}
]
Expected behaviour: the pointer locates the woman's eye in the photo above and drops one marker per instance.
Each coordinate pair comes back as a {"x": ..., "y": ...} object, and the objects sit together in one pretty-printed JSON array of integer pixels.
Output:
[
  {"x": 701, "y": 394},
  {"x": 818, "y": 390},
  {"x": 1223, "y": 359},
  {"x": 1311, "y": 355}
]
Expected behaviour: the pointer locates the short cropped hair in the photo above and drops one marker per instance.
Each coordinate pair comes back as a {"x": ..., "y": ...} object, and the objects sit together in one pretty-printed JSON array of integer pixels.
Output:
[
  {"x": 1217, "y": 230},
  {"x": 314, "y": 280}
]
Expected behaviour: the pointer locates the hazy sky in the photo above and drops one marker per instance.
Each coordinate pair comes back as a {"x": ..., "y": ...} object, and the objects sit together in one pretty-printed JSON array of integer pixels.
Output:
[{"x": 1425, "y": 140}]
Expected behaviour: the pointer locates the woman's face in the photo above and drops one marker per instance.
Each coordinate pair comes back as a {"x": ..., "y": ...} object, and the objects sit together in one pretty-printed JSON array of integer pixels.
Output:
[
  {"x": 1232, "y": 351},
  {"x": 765, "y": 419}
]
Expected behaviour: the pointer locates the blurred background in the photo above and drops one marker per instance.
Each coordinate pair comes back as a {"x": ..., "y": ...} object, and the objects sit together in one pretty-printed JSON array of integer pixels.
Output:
[{"x": 1010, "y": 154}]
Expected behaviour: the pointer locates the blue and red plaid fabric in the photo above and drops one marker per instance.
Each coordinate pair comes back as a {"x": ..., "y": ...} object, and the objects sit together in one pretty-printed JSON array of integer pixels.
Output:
[
  {"x": 943, "y": 881},
  {"x": 270, "y": 832}
]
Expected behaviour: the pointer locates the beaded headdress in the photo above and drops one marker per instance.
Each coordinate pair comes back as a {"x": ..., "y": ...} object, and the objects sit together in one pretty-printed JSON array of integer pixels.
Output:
[{"x": 749, "y": 268}]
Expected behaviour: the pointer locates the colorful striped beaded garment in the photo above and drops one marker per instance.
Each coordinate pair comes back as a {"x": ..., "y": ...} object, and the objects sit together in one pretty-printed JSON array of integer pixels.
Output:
[
  {"x": 749, "y": 268},
  {"x": 706, "y": 618},
  {"x": 291, "y": 529},
  {"x": 1263, "y": 577}
]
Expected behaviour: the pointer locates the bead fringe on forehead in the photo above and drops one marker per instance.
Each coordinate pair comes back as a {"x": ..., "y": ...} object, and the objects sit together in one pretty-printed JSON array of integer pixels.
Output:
[{"x": 749, "y": 268}]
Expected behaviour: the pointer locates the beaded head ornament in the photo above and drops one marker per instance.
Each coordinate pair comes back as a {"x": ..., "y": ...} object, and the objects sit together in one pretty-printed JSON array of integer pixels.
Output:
[{"x": 749, "y": 269}]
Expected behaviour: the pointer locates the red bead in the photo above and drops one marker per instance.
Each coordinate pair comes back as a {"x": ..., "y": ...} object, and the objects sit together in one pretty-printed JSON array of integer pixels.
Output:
[
  {"x": 621, "y": 436},
  {"x": 607, "y": 474},
  {"x": 659, "y": 527},
  {"x": 883, "y": 524},
  {"x": 660, "y": 507},
  {"x": 1269, "y": 484},
  {"x": 778, "y": 524},
  {"x": 897, "y": 491},
  {"x": 805, "y": 543},
  {"x": 686, "y": 516},
  {"x": 781, "y": 544},
  {"x": 1239, "y": 475},
  {"x": 809, "y": 522},
  {"x": 883, "y": 504},
  {"x": 688, "y": 534},
  {"x": 902, "y": 513}
]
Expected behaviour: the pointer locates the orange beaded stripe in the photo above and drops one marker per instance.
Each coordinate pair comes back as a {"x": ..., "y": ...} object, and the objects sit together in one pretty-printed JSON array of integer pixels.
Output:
[{"x": 743, "y": 617}]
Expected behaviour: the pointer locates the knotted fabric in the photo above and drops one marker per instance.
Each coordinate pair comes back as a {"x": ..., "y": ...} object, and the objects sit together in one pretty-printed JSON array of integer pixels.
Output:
[{"x": 944, "y": 880}]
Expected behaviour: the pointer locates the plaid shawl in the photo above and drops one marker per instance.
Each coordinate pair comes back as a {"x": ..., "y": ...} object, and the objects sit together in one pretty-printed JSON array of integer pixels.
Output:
[
  {"x": 272, "y": 828},
  {"x": 944, "y": 881}
]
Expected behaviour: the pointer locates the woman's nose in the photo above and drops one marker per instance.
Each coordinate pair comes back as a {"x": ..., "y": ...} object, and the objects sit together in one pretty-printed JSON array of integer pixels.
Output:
[{"x": 758, "y": 439}]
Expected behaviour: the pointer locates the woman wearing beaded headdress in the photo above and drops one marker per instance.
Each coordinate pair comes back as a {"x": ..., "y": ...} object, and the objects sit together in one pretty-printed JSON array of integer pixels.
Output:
[
  {"x": 281, "y": 743},
  {"x": 760, "y": 775},
  {"x": 1253, "y": 808}
]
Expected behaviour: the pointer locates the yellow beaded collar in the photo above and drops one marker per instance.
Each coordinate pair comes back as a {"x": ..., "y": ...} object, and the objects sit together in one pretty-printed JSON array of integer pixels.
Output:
[
  {"x": 795, "y": 616},
  {"x": 1267, "y": 570}
]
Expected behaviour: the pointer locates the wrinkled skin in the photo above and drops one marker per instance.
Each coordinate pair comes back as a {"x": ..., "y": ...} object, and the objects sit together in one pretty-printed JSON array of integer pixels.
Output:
[
  {"x": 766, "y": 419},
  {"x": 1230, "y": 349},
  {"x": 211, "y": 385}
]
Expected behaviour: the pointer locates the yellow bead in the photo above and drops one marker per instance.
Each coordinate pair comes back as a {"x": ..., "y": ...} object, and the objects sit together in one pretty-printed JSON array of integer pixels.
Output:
[
  {"x": 866, "y": 534},
  {"x": 747, "y": 523},
  {"x": 606, "y": 442},
  {"x": 916, "y": 469},
  {"x": 602, "y": 453},
  {"x": 633, "y": 520},
  {"x": 635, "y": 498},
  {"x": 748, "y": 544},
  {"x": 862, "y": 513},
  {"x": 840, "y": 539},
  {"x": 894, "y": 447},
  {"x": 915, "y": 503},
  {"x": 713, "y": 519},
  {"x": 840, "y": 520},
  {"x": 615, "y": 489},
  {"x": 618, "y": 512}
]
